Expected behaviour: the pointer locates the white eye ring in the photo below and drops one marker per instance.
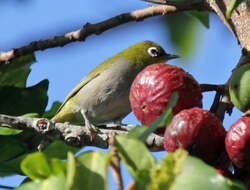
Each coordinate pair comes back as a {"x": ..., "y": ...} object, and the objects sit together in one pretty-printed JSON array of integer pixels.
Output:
[{"x": 153, "y": 51}]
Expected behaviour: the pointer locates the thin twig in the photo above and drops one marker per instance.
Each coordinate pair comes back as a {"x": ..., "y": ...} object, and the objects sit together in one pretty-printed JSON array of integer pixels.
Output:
[
  {"x": 173, "y": 3},
  {"x": 240, "y": 29},
  {"x": 224, "y": 106},
  {"x": 115, "y": 163},
  {"x": 162, "y": 2},
  {"x": 246, "y": 113},
  {"x": 98, "y": 28},
  {"x": 131, "y": 186},
  {"x": 216, "y": 102},
  {"x": 212, "y": 87}
]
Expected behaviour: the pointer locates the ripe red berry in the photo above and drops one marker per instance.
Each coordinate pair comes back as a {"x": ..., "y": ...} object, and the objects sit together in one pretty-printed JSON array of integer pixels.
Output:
[
  {"x": 153, "y": 87},
  {"x": 198, "y": 131},
  {"x": 237, "y": 143}
]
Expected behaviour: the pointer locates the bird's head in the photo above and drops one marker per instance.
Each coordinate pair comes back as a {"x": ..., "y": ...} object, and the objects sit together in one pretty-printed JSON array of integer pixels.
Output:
[{"x": 146, "y": 53}]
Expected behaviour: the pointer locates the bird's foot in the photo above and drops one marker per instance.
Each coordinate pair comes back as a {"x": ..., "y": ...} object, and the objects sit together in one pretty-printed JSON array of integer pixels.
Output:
[{"x": 91, "y": 129}]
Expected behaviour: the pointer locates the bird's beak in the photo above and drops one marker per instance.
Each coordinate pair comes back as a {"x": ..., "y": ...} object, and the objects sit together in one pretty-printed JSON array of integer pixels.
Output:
[{"x": 170, "y": 56}]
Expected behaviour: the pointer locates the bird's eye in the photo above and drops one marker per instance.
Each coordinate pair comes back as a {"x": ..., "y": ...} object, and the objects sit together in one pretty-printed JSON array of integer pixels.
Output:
[{"x": 153, "y": 51}]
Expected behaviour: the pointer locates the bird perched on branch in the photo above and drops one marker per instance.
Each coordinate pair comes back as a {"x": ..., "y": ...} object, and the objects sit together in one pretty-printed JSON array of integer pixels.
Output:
[{"x": 103, "y": 95}]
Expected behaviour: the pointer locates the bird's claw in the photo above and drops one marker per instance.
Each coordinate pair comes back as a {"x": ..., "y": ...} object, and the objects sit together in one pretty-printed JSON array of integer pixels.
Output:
[{"x": 91, "y": 131}]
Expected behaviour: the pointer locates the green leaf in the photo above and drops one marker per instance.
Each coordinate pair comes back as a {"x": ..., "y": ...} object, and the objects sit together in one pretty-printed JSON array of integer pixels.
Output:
[
  {"x": 53, "y": 183},
  {"x": 183, "y": 34},
  {"x": 138, "y": 131},
  {"x": 134, "y": 154},
  {"x": 91, "y": 171},
  {"x": 50, "y": 113},
  {"x": 233, "y": 4},
  {"x": 36, "y": 166},
  {"x": 12, "y": 166},
  {"x": 57, "y": 166},
  {"x": 16, "y": 72},
  {"x": 26, "y": 180},
  {"x": 31, "y": 115},
  {"x": 178, "y": 171},
  {"x": 37, "y": 184},
  {"x": 8, "y": 131},
  {"x": 19, "y": 101},
  {"x": 207, "y": 178},
  {"x": 142, "y": 179},
  {"x": 13, "y": 150},
  {"x": 163, "y": 175},
  {"x": 58, "y": 149},
  {"x": 203, "y": 17},
  {"x": 46, "y": 173},
  {"x": 162, "y": 121},
  {"x": 71, "y": 170},
  {"x": 10, "y": 148}
]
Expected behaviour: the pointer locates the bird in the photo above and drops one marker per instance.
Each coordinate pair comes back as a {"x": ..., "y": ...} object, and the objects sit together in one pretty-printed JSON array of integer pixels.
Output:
[{"x": 102, "y": 96}]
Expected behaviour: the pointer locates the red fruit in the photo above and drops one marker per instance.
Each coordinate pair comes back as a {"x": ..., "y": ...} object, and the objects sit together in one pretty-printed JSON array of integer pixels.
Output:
[
  {"x": 198, "y": 131},
  {"x": 153, "y": 87},
  {"x": 238, "y": 143}
]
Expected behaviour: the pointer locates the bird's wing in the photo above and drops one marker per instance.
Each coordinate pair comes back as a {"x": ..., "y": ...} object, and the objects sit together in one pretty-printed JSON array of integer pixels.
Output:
[
  {"x": 78, "y": 87},
  {"x": 93, "y": 74}
]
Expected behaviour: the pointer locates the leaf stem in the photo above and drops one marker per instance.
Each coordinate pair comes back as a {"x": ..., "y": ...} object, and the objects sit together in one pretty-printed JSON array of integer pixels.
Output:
[{"x": 115, "y": 163}]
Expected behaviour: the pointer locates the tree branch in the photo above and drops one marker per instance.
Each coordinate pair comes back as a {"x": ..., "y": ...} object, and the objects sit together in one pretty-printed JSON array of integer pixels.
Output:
[
  {"x": 224, "y": 106},
  {"x": 131, "y": 186},
  {"x": 78, "y": 136},
  {"x": 216, "y": 102},
  {"x": 75, "y": 135},
  {"x": 220, "y": 105},
  {"x": 98, "y": 28},
  {"x": 212, "y": 87}
]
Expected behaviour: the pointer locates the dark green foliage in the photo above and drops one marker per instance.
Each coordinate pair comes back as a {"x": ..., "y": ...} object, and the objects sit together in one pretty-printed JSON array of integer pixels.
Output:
[
  {"x": 18, "y": 101},
  {"x": 88, "y": 170},
  {"x": 16, "y": 72},
  {"x": 16, "y": 98},
  {"x": 183, "y": 29}
]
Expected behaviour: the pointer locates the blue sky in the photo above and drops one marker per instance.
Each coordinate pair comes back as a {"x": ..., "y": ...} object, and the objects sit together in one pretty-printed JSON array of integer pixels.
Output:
[{"x": 215, "y": 52}]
